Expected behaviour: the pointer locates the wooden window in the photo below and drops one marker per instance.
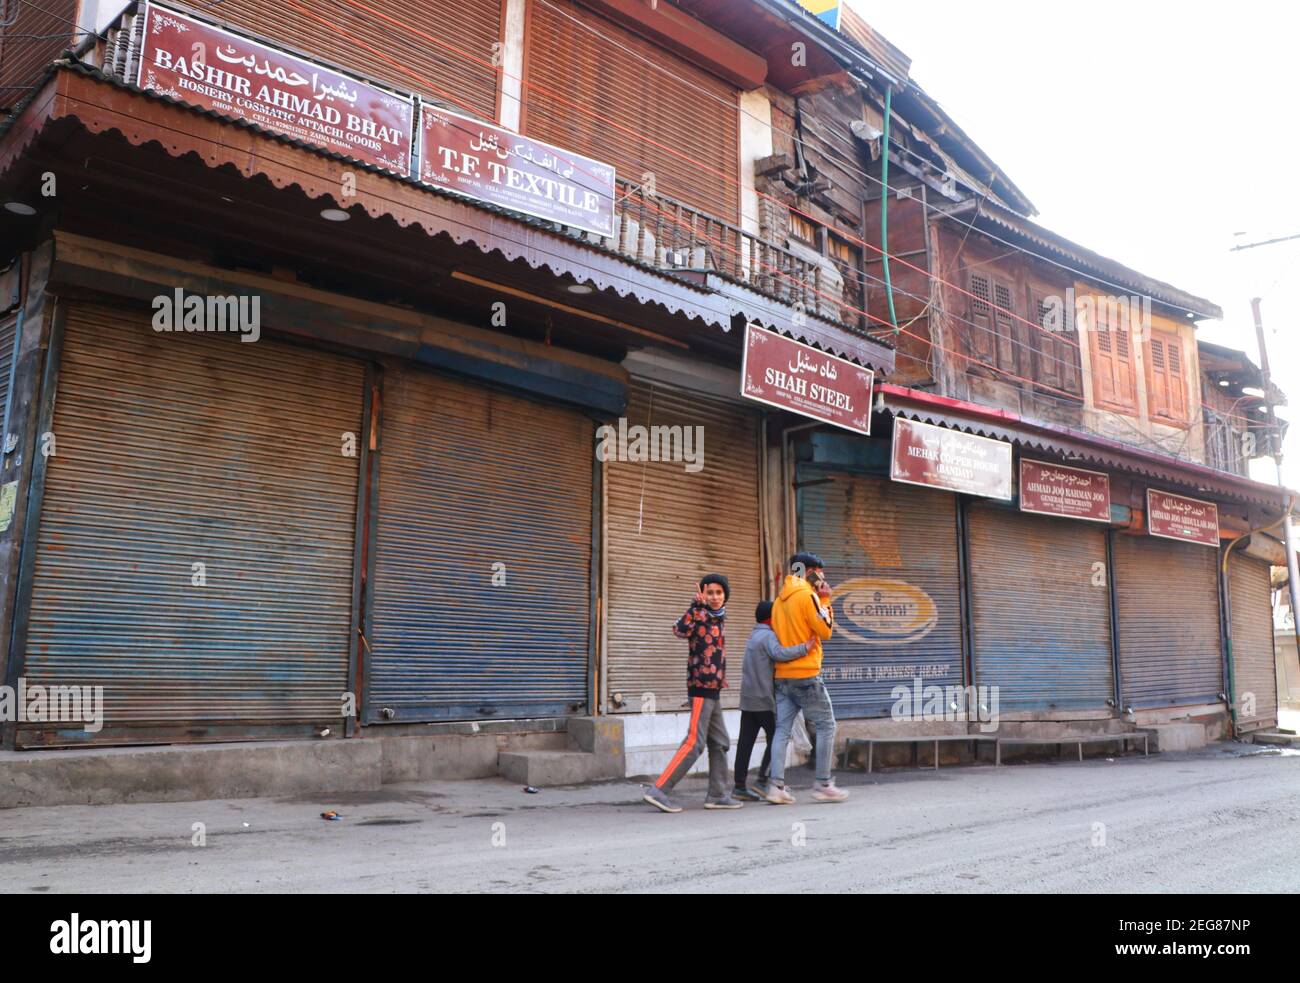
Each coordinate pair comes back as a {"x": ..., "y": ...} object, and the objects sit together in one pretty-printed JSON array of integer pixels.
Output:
[
  {"x": 1055, "y": 349},
  {"x": 1114, "y": 382},
  {"x": 848, "y": 260},
  {"x": 994, "y": 337},
  {"x": 1166, "y": 385},
  {"x": 980, "y": 314},
  {"x": 802, "y": 229}
]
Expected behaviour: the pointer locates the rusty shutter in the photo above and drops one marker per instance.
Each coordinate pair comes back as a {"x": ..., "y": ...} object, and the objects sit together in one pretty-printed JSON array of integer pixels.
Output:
[
  {"x": 176, "y": 449},
  {"x": 8, "y": 339},
  {"x": 1167, "y": 594},
  {"x": 1254, "y": 670},
  {"x": 890, "y": 551},
  {"x": 457, "y": 73},
  {"x": 666, "y": 527},
  {"x": 1040, "y": 604},
  {"x": 613, "y": 106},
  {"x": 470, "y": 478},
  {"x": 38, "y": 34}
]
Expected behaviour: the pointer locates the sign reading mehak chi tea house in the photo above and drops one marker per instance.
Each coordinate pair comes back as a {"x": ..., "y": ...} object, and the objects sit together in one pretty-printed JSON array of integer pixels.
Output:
[
  {"x": 241, "y": 79},
  {"x": 937, "y": 457},
  {"x": 799, "y": 378},
  {"x": 1179, "y": 517},
  {"x": 1053, "y": 489},
  {"x": 495, "y": 165}
]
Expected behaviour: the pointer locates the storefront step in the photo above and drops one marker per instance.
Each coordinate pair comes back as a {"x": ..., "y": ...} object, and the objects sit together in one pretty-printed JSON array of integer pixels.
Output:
[
  {"x": 543, "y": 769},
  {"x": 185, "y": 773},
  {"x": 1176, "y": 737}
]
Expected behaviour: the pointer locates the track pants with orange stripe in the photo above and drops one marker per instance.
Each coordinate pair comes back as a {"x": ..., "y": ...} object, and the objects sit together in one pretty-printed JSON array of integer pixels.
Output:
[{"x": 707, "y": 729}]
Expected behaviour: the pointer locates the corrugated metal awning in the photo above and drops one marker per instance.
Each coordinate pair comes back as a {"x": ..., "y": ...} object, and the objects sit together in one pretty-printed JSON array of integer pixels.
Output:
[
  {"x": 103, "y": 103},
  {"x": 1075, "y": 445}
]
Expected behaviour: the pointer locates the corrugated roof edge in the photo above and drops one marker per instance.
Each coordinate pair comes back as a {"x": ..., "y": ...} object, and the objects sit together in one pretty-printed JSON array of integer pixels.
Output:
[
  {"x": 1101, "y": 266},
  {"x": 991, "y": 421}
]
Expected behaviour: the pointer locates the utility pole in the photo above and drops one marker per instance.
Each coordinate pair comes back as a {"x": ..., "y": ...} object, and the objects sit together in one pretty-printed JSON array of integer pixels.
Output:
[{"x": 1275, "y": 445}]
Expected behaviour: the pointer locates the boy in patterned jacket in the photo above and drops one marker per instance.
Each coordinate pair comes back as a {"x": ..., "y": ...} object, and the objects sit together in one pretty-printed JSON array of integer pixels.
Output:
[{"x": 706, "y": 677}]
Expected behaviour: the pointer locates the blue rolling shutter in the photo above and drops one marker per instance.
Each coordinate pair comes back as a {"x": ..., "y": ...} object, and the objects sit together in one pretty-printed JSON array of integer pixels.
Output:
[{"x": 470, "y": 478}]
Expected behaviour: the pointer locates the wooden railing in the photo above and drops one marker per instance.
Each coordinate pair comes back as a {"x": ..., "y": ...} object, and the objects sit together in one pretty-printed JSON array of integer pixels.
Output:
[{"x": 669, "y": 234}]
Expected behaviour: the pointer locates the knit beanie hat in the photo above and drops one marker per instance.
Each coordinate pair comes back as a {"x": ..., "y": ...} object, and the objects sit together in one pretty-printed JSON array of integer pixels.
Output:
[{"x": 720, "y": 580}]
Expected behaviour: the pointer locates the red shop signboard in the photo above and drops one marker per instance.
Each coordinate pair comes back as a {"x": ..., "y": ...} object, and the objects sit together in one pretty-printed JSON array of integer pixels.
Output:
[
  {"x": 925, "y": 454},
  {"x": 1053, "y": 489},
  {"x": 241, "y": 79},
  {"x": 1173, "y": 516},
  {"x": 797, "y": 377},
  {"x": 498, "y": 166}
]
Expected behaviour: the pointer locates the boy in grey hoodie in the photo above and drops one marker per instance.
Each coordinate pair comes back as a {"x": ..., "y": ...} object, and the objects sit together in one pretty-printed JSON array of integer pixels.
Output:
[{"x": 757, "y": 702}]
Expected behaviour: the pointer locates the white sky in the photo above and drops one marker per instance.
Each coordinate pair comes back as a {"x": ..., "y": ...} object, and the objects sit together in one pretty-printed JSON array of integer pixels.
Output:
[{"x": 1147, "y": 130}]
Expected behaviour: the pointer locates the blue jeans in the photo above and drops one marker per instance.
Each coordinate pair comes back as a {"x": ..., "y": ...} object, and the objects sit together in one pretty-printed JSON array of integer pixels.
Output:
[{"x": 810, "y": 696}]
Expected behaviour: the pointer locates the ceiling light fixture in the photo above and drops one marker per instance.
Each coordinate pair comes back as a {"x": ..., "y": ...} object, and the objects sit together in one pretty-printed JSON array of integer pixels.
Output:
[
  {"x": 19, "y": 208},
  {"x": 334, "y": 215},
  {"x": 579, "y": 288}
]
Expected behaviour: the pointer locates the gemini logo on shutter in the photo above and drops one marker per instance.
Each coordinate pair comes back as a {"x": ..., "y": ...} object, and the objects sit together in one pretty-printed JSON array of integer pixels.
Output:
[{"x": 884, "y": 612}]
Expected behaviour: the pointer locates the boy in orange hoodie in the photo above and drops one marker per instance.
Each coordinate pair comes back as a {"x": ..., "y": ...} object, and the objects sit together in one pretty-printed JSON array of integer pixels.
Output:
[{"x": 802, "y": 610}]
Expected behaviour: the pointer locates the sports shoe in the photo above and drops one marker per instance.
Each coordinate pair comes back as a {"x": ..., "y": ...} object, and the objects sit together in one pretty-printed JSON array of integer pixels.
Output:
[
  {"x": 749, "y": 795},
  {"x": 828, "y": 792},
  {"x": 778, "y": 796},
  {"x": 659, "y": 800},
  {"x": 726, "y": 802}
]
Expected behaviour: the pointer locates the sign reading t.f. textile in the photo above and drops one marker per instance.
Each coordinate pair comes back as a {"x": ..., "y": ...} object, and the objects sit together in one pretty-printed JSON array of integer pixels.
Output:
[
  {"x": 1173, "y": 516},
  {"x": 227, "y": 73},
  {"x": 500, "y": 167},
  {"x": 925, "y": 454},
  {"x": 799, "y": 378}
]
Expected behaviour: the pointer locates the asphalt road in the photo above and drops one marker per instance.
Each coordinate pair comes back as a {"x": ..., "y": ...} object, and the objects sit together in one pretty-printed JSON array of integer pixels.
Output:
[{"x": 1223, "y": 820}]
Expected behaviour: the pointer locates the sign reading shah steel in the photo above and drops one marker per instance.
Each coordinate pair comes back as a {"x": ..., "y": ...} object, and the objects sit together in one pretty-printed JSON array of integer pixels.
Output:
[
  {"x": 1179, "y": 517},
  {"x": 229, "y": 74},
  {"x": 799, "y": 378},
  {"x": 1053, "y": 489},
  {"x": 937, "y": 457},
  {"x": 500, "y": 167}
]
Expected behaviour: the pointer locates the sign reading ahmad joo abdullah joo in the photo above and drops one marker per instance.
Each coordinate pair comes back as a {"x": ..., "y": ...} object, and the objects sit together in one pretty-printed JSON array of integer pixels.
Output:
[
  {"x": 1173, "y": 516},
  {"x": 1053, "y": 489},
  {"x": 797, "y": 377},
  {"x": 227, "y": 73},
  {"x": 500, "y": 167},
  {"x": 937, "y": 457}
]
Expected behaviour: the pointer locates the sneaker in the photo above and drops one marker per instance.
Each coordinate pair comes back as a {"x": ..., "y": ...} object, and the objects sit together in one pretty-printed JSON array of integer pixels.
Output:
[
  {"x": 749, "y": 795},
  {"x": 778, "y": 796},
  {"x": 828, "y": 792},
  {"x": 726, "y": 802},
  {"x": 659, "y": 800}
]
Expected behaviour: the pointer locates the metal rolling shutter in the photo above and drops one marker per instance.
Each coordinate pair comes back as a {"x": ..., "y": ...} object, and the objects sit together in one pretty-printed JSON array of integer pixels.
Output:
[
  {"x": 1254, "y": 668},
  {"x": 891, "y": 554},
  {"x": 667, "y": 527},
  {"x": 1040, "y": 629},
  {"x": 8, "y": 335},
  {"x": 684, "y": 107},
  {"x": 1168, "y": 599},
  {"x": 459, "y": 74},
  {"x": 174, "y": 449},
  {"x": 469, "y": 478}
]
